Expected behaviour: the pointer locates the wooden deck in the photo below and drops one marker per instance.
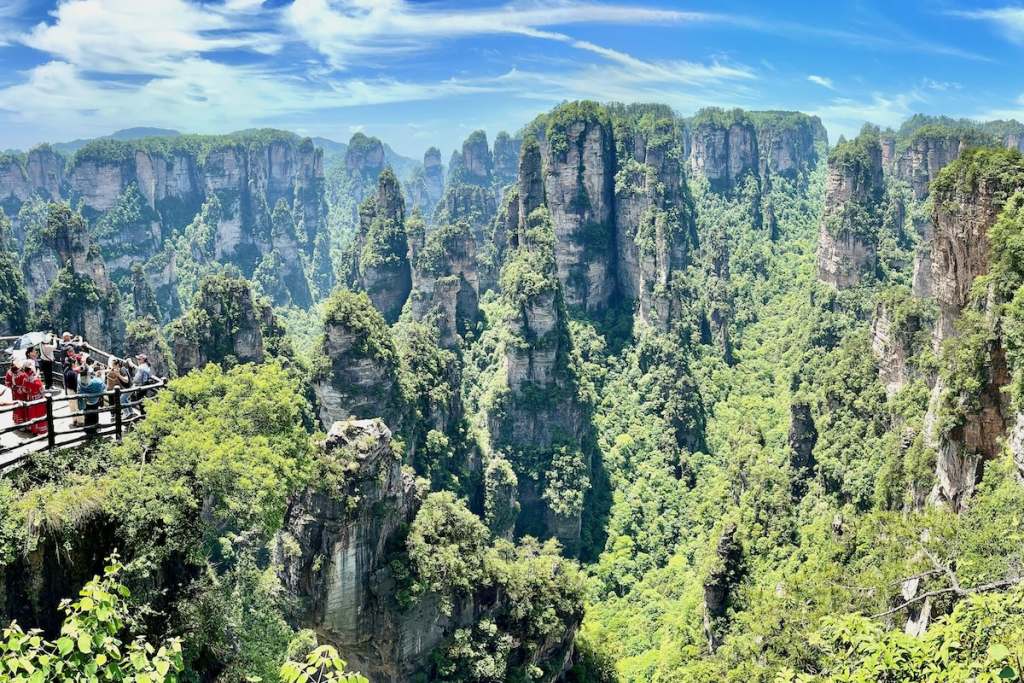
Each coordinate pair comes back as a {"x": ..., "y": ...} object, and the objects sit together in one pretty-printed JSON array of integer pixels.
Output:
[{"x": 16, "y": 446}]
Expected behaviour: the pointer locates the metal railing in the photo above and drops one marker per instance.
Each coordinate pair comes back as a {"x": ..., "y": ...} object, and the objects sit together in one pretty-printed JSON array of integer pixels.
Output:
[{"x": 123, "y": 413}]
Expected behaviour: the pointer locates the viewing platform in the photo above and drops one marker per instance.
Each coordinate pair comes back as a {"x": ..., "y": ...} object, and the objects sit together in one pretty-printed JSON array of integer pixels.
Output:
[{"x": 17, "y": 443}]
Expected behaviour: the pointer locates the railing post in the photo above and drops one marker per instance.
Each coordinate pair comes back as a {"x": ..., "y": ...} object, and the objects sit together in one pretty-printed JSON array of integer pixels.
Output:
[
  {"x": 51, "y": 426},
  {"x": 117, "y": 413}
]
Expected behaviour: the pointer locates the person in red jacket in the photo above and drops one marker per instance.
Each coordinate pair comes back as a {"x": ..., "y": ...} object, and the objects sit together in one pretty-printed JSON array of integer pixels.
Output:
[
  {"x": 33, "y": 387},
  {"x": 18, "y": 391}
]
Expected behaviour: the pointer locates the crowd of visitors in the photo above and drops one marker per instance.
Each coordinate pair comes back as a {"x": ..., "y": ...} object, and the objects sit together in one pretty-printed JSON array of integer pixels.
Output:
[{"x": 85, "y": 379}]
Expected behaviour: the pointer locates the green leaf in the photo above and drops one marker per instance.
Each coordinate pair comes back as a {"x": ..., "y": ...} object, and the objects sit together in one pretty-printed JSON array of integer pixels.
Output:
[
  {"x": 998, "y": 652},
  {"x": 162, "y": 666},
  {"x": 84, "y": 643},
  {"x": 64, "y": 646},
  {"x": 1008, "y": 673}
]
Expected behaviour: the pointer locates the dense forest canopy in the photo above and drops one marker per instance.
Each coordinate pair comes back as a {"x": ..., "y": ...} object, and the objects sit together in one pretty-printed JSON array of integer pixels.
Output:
[{"x": 623, "y": 396}]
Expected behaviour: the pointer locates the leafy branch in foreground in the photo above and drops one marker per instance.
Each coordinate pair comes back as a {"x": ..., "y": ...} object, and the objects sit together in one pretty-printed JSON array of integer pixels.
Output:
[
  {"x": 320, "y": 666},
  {"x": 89, "y": 648}
]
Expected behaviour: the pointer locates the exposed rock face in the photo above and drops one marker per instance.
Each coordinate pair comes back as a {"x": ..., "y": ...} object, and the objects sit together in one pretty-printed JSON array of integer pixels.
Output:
[
  {"x": 143, "y": 336},
  {"x": 719, "y": 584},
  {"x": 1016, "y": 443},
  {"x": 722, "y": 152},
  {"x": 68, "y": 282},
  {"x": 960, "y": 220},
  {"x": 847, "y": 240},
  {"x": 788, "y": 143},
  {"x": 653, "y": 217},
  {"x": 579, "y": 184},
  {"x": 506, "y": 161},
  {"x": 540, "y": 414},
  {"x": 225, "y": 323},
  {"x": 333, "y": 556},
  {"x": 921, "y": 162},
  {"x": 445, "y": 290},
  {"x": 364, "y": 156},
  {"x": 476, "y": 163},
  {"x": 427, "y": 186},
  {"x": 969, "y": 195},
  {"x": 336, "y": 553},
  {"x": 472, "y": 191},
  {"x": 140, "y": 196},
  {"x": 40, "y": 172},
  {"x": 893, "y": 344},
  {"x": 359, "y": 372},
  {"x": 382, "y": 249},
  {"x": 803, "y": 436}
]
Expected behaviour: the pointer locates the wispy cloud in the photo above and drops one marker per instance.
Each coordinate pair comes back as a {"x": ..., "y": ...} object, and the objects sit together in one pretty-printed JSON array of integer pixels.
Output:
[
  {"x": 343, "y": 29},
  {"x": 131, "y": 37},
  {"x": 1009, "y": 20},
  {"x": 844, "y": 115},
  {"x": 822, "y": 81}
]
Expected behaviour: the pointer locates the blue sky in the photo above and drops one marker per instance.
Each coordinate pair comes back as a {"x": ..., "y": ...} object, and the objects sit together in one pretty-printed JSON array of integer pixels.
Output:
[{"x": 418, "y": 73}]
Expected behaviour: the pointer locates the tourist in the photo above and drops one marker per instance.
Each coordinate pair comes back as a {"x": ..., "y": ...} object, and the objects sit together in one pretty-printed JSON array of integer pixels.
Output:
[
  {"x": 72, "y": 371},
  {"x": 92, "y": 394},
  {"x": 46, "y": 354},
  {"x": 66, "y": 350},
  {"x": 117, "y": 376},
  {"x": 33, "y": 389},
  {"x": 18, "y": 390},
  {"x": 8, "y": 391},
  {"x": 143, "y": 376}
]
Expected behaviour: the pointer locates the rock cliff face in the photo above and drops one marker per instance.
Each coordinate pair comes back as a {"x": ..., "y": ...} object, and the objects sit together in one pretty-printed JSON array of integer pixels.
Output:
[
  {"x": 66, "y": 278},
  {"x": 427, "y": 186},
  {"x": 358, "y": 374},
  {"x": 538, "y": 422},
  {"x": 40, "y": 173},
  {"x": 898, "y": 331},
  {"x": 723, "y": 151},
  {"x": 922, "y": 160},
  {"x": 967, "y": 421},
  {"x": 962, "y": 215},
  {"x": 471, "y": 194},
  {"x": 788, "y": 143},
  {"x": 333, "y": 555},
  {"x": 364, "y": 157},
  {"x": 579, "y": 186},
  {"x": 382, "y": 249},
  {"x": 506, "y": 161},
  {"x": 847, "y": 239},
  {"x": 654, "y": 215},
  {"x": 138, "y": 195},
  {"x": 446, "y": 289},
  {"x": 225, "y": 323},
  {"x": 338, "y": 551}
]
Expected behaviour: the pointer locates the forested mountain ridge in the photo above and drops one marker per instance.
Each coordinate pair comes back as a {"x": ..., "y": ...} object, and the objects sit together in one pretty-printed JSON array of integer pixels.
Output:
[{"x": 666, "y": 398}]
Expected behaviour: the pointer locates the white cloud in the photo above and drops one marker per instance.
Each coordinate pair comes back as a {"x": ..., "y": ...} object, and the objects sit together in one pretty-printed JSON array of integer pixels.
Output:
[
  {"x": 131, "y": 37},
  {"x": 845, "y": 116},
  {"x": 1009, "y": 20},
  {"x": 822, "y": 81},
  {"x": 342, "y": 29}
]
